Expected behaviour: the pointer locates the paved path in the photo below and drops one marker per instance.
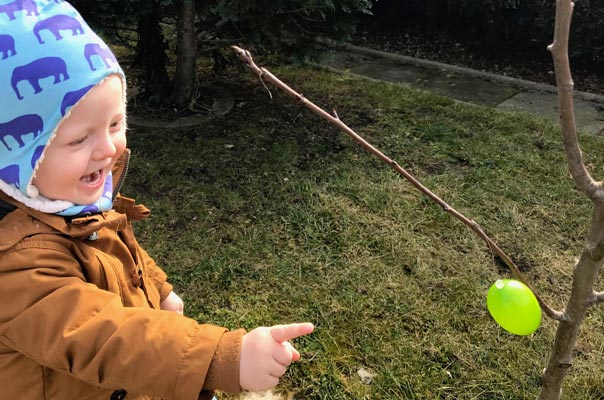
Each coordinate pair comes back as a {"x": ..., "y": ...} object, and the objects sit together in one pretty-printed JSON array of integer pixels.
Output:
[{"x": 467, "y": 85}]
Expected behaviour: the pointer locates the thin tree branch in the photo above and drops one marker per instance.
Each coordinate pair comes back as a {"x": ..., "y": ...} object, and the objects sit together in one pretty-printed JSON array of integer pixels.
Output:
[
  {"x": 207, "y": 46},
  {"x": 565, "y": 84},
  {"x": 598, "y": 297},
  {"x": 264, "y": 74}
]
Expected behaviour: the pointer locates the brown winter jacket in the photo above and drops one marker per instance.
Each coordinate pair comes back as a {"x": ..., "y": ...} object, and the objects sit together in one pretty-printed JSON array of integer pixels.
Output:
[{"x": 80, "y": 317}]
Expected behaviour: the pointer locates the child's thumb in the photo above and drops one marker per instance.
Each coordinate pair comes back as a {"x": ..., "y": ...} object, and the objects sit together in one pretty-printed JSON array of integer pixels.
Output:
[{"x": 295, "y": 354}]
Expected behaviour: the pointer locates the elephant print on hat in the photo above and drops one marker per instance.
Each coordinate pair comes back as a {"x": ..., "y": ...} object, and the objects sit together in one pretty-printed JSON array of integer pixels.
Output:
[
  {"x": 38, "y": 69},
  {"x": 56, "y": 24},
  {"x": 10, "y": 175},
  {"x": 92, "y": 49},
  {"x": 7, "y": 45},
  {"x": 19, "y": 127},
  {"x": 71, "y": 98},
  {"x": 36, "y": 156},
  {"x": 19, "y": 5}
]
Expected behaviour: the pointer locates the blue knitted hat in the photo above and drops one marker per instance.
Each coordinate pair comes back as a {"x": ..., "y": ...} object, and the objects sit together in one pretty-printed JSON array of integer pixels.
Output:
[{"x": 49, "y": 59}]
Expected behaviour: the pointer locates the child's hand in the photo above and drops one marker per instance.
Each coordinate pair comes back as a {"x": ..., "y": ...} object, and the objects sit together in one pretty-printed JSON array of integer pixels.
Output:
[
  {"x": 173, "y": 303},
  {"x": 266, "y": 353}
]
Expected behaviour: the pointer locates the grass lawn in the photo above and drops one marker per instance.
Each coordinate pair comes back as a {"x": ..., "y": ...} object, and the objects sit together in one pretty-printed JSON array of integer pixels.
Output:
[{"x": 270, "y": 215}]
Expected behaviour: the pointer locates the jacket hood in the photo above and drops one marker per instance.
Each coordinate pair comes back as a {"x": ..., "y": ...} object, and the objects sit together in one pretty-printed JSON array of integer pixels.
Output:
[{"x": 49, "y": 59}]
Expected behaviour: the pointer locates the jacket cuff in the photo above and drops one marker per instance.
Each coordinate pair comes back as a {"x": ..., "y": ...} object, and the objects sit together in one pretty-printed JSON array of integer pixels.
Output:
[
  {"x": 223, "y": 373},
  {"x": 165, "y": 290}
]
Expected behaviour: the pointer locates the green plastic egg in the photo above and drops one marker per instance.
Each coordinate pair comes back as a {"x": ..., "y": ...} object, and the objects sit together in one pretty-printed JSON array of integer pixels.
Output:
[{"x": 514, "y": 307}]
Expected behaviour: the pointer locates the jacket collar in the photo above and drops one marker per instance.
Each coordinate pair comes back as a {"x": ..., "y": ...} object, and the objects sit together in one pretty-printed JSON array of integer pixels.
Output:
[
  {"x": 20, "y": 221},
  {"x": 6, "y": 209},
  {"x": 24, "y": 222}
]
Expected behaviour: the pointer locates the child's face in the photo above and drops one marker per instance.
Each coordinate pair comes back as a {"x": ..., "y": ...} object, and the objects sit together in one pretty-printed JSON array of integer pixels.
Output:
[{"x": 86, "y": 146}]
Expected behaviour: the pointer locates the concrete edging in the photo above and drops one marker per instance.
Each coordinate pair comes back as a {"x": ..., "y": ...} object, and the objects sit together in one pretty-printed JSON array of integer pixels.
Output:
[{"x": 521, "y": 83}]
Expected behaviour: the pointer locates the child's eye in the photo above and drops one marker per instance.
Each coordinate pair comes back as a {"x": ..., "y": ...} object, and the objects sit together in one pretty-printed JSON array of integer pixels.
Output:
[
  {"x": 116, "y": 125},
  {"x": 77, "y": 141}
]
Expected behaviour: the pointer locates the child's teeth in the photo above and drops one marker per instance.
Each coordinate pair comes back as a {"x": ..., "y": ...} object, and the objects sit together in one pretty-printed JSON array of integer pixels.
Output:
[{"x": 92, "y": 177}]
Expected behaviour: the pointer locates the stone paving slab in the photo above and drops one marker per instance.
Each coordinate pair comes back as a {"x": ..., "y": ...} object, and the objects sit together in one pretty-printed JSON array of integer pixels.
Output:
[
  {"x": 589, "y": 115},
  {"x": 442, "y": 82},
  {"x": 463, "y": 84},
  {"x": 468, "y": 89}
]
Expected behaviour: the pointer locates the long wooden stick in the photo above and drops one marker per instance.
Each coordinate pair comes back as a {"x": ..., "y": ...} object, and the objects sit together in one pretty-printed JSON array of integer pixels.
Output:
[{"x": 264, "y": 74}]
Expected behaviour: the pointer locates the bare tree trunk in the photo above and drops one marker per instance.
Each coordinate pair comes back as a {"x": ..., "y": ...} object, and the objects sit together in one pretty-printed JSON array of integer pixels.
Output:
[
  {"x": 151, "y": 51},
  {"x": 186, "y": 55},
  {"x": 587, "y": 268}
]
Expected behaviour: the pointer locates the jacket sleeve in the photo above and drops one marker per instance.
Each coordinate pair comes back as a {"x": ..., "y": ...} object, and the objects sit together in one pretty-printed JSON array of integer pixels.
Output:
[{"x": 64, "y": 323}]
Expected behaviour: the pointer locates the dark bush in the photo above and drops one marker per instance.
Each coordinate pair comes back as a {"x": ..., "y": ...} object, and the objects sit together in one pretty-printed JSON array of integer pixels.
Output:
[{"x": 505, "y": 23}]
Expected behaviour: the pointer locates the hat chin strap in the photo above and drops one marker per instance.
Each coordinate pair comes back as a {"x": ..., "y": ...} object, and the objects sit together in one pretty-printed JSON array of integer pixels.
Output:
[{"x": 39, "y": 203}]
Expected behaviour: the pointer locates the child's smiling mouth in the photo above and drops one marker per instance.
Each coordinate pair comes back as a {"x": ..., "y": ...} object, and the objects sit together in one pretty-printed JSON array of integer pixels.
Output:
[{"x": 93, "y": 179}]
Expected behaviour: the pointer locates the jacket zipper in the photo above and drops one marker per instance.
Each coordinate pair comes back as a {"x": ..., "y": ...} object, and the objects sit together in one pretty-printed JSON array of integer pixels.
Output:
[{"x": 120, "y": 182}]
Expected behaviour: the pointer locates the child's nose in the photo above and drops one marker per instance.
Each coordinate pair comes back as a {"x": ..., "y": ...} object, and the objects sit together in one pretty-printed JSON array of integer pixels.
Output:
[{"x": 105, "y": 147}]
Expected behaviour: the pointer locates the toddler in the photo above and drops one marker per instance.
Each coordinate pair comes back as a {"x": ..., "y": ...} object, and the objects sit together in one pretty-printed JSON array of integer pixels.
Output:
[{"x": 85, "y": 313}]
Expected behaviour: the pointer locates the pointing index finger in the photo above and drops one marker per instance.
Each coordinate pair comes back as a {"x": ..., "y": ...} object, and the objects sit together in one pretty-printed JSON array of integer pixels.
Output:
[{"x": 282, "y": 333}]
